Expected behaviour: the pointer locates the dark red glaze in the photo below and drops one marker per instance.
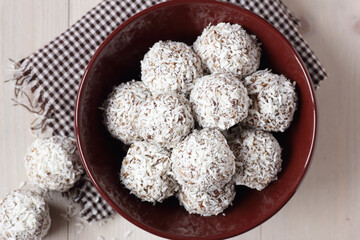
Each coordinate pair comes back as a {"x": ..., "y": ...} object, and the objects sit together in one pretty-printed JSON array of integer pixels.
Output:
[{"x": 118, "y": 60}]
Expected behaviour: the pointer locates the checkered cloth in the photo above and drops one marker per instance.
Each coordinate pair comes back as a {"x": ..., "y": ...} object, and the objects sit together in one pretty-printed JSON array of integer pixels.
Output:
[{"x": 47, "y": 80}]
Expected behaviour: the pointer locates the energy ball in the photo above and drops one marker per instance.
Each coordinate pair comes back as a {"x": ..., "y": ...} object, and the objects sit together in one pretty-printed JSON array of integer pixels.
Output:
[
  {"x": 219, "y": 101},
  {"x": 24, "y": 216},
  {"x": 146, "y": 172},
  {"x": 229, "y": 48},
  {"x": 165, "y": 119},
  {"x": 273, "y": 101},
  {"x": 170, "y": 67},
  {"x": 53, "y": 163},
  {"x": 203, "y": 161},
  {"x": 207, "y": 203},
  {"x": 258, "y": 158},
  {"x": 122, "y": 109}
]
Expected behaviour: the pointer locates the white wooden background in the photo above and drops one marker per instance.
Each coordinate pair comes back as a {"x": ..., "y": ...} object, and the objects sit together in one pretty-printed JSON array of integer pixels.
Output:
[{"x": 327, "y": 205}]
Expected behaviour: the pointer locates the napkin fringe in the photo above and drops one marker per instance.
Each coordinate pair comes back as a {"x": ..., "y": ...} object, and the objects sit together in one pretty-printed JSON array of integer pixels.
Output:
[{"x": 28, "y": 93}]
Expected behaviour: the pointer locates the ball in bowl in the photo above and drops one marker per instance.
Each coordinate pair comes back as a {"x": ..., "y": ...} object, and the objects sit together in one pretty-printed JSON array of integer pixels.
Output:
[
  {"x": 257, "y": 158},
  {"x": 273, "y": 101},
  {"x": 203, "y": 161},
  {"x": 165, "y": 119},
  {"x": 121, "y": 110},
  {"x": 170, "y": 67},
  {"x": 228, "y": 48},
  {"x": 219, "y": 101},
  {"x": 146, "y": 171}
]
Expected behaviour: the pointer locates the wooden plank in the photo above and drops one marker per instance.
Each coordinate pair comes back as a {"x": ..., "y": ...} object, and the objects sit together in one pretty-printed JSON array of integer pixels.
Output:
[{"x": 25, "y": 26}]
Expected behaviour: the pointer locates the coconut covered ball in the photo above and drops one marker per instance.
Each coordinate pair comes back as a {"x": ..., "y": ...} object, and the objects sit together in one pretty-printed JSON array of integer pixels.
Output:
[
  {"x": 258, "y": 158},
  {"x": 229, "y": 48},
  {"x": 24, "y": 216},
  {"x": 165, "y": 119},
  {"x": 219, "y": 101},
  {"x": 203, "y": 161},
  {"x": 207, "y": 203},
  {"x": 170, "y": 67},
  {"x": 53, "y": 163},
  {"x": 273, "y": 101},
  {"x": 122, "y": 109},
  {"x": 146, "y": 172}
]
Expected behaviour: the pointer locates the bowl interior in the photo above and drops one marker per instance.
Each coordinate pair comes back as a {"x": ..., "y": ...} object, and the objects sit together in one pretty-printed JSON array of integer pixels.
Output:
[{"x": 118, "y": 60}]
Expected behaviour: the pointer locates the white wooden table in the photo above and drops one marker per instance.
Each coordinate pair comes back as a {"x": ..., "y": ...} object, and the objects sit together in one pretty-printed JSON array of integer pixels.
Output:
[{"x": 327, "y": 205}]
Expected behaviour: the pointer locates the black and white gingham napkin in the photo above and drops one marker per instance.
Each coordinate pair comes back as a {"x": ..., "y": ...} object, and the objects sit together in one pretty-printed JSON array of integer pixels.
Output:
[{"x": 47, "y": 81}]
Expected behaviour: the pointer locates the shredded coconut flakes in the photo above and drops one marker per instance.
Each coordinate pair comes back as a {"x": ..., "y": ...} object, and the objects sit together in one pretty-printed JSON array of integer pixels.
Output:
[
  {"x": 273, "y": 101},
  {"x": 229, "y": 48},
  {"x": 219, "y": 101},
  {"x": 170, "y": 67},
  {"x": 258, "y": 158},
  {"x": 128, "y": 233},
  {"x": 165, "y": 119},
  {"x": 146, "y": 172},
  {"x": 207, "y": 203},
  {"x": 53, "y": 163},
  {"x": 100, "y": 237},
  {"x": 203, "y": 161},
  {"x": 122, "y": 108},
  {"x": 24, "y": 215},
  {"x": 22, "y": 184}
]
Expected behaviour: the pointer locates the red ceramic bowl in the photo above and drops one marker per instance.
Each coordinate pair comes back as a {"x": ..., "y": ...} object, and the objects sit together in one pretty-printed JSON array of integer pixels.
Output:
[{"x": 118, "y": 60}]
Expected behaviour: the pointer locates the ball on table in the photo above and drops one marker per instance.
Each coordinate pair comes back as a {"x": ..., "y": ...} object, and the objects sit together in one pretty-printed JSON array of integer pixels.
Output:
[
  {"x": 24, "y": 216},
  {"x": 53, "y": 163}
]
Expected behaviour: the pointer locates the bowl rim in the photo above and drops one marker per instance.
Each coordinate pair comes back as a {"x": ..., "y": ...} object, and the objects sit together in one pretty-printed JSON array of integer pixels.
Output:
[{"x": 232, "y": 233}]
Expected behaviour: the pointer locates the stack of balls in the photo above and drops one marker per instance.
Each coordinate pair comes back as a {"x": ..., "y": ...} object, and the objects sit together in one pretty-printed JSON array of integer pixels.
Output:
[{"x": 199, "y": 121}]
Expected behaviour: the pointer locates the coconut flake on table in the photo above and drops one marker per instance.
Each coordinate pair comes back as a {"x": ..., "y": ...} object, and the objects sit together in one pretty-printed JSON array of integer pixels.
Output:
[
  {"x": 24, "y": 216},
  {"x": 219, "y": 101},
  {"x": 100, "y": 237},
  {"x": 121, "y": 110},
  {"x": 273, "y": 101},
  {"x": 170, "y": 67},
  {"x": 203, "y": 161},
  {"x": 146, "y": 172},
  {"x": 128, "y": 233},
  {"x": 207, "y": 203},
  {"x": 53, "y": 163},
  {"x": 22, "y": 184},
  {"x": 165, "y": 119},
  {"x": 228, "y": 48},
  {"x": 258, "y": 158}
]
